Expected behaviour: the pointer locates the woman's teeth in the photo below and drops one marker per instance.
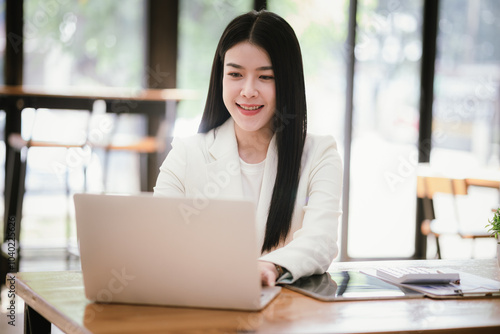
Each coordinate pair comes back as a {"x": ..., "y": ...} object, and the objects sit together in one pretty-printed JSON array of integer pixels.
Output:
[{"x": 249, "y": 108}]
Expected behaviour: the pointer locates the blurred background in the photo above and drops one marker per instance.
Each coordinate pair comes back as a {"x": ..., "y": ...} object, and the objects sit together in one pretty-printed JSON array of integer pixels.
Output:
[{"x": 102, "y": 44}]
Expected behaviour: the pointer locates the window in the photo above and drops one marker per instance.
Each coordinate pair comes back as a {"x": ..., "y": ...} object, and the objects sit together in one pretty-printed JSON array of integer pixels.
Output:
[
  {"x": 466, "y": 111},
  {"x": 84, "y": 43},
  {"x": 321, "y": 27},
  {"x": 77, "y": 44},
  {"x": 201, "y": 23},
  {"x": 466, "y": 125},
  {"x": 385, "y": 129}
]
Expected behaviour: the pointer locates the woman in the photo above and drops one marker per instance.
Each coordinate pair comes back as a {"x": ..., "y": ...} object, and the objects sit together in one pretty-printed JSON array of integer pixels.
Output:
[{"x": 253, "y": 132}]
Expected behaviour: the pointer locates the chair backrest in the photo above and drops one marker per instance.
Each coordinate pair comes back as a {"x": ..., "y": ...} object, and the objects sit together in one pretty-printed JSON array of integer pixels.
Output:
[
  {"x": 450, "y": 199},
  {"x": 428, "y": 186},
  {"x": 56, "y": 127}
]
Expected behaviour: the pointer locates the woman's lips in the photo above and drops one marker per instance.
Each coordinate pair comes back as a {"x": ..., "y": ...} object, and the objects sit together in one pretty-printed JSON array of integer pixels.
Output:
[{"x": 249, "y": 109}]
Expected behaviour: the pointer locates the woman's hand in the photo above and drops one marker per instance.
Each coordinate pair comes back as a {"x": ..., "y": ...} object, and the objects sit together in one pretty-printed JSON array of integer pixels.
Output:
[{"x": 268, "y": 273}]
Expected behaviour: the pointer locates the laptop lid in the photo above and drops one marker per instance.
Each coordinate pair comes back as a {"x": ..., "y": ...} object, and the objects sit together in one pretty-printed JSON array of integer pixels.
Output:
[{"x": 169, "y": 251}]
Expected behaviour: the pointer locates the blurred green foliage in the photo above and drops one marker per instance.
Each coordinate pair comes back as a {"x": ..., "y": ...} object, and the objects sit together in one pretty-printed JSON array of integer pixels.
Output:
[
  {"x": 201, "y": 23},
  {"x": 103, "y": 41}
]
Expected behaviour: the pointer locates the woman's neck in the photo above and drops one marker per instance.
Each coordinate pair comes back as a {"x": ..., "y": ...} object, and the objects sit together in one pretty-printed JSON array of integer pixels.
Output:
[{"x": 252, "y": 146}]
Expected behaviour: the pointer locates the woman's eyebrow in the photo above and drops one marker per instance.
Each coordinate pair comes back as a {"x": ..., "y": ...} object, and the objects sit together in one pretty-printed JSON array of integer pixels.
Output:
[
  {"x": 234, "y": 65},
  {"x": 262, "y": 68}
]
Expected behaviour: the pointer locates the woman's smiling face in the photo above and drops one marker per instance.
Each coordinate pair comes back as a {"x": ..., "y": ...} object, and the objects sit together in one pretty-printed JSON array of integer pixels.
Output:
[{"x": 248, "y": 87}]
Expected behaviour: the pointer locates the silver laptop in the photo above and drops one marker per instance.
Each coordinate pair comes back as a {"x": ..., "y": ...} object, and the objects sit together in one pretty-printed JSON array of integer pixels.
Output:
[{"x": 188, "y": 252}]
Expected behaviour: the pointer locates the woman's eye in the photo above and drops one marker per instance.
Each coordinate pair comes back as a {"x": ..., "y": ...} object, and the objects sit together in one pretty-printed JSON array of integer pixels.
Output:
[
  {"x": 234, "y": 74},
  {"x": 267, "y": 77}
]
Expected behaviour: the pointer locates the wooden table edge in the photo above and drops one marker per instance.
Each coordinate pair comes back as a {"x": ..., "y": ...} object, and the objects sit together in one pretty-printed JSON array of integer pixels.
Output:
[
  {"x": 45, "y": 309},
  {"x": 102, "y": 93}
]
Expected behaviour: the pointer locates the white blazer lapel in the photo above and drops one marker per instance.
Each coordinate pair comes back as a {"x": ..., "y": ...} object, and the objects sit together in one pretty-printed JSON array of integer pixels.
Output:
[{"x": 224, "y": 171}]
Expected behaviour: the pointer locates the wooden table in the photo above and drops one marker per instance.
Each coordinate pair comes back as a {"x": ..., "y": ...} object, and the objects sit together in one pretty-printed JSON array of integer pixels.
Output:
[
  {"x": 59, "y": 298},
  {"x": 156, "y": 104}
]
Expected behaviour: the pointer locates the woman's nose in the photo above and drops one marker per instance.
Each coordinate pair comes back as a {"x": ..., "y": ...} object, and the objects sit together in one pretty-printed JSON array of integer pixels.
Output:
[{"x": 249, "y": 90}]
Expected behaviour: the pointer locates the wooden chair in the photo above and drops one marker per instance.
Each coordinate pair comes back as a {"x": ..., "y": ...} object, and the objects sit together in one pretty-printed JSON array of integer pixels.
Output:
[
  {"x": 22, "y": 146},
  {"x": 428, "y": 189},
  {"x": 143, "y": 146}
]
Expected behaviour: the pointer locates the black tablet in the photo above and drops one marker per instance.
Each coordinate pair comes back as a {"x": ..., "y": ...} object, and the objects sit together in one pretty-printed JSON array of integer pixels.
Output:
[{"x": 349, "y": 285}]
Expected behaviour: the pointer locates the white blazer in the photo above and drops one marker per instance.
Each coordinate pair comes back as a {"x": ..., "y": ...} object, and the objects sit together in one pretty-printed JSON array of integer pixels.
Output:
[{"x": 208, "y": 166}]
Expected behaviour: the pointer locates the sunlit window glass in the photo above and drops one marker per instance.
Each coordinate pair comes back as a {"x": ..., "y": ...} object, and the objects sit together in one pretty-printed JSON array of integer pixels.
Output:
[
  {"x": 466, "y": 123},
  {"x": 76, "y": 44},
  {"x": 201, "y": 23},
  {"x": 84, "y": 43},
  {"x": 385, "y": 129},
  {"x": 466, "y": 115},
  {"x": 321, "y": 27}
]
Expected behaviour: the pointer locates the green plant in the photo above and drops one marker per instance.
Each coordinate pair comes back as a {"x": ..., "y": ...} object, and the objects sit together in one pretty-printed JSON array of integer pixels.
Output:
[{"x": 494, "y": 225}]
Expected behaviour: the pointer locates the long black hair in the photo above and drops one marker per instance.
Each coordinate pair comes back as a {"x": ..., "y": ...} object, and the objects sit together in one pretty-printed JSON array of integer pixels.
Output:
[{"x": 273, "y": 34}]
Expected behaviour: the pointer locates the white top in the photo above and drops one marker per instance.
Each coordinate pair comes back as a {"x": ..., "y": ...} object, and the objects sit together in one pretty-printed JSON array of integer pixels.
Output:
[{"x": 251, "y": 178}]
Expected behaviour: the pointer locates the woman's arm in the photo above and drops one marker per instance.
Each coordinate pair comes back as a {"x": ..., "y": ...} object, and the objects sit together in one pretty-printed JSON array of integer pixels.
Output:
[
  {"x": 171, "y": 179},
  {"x": 314, "y": 245}
]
